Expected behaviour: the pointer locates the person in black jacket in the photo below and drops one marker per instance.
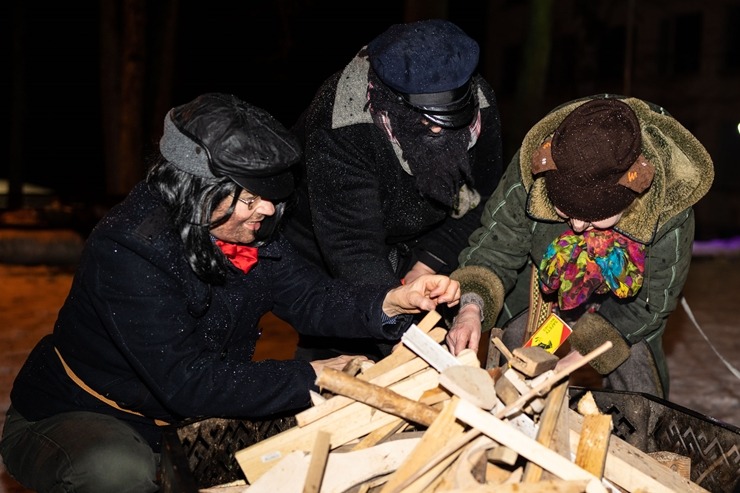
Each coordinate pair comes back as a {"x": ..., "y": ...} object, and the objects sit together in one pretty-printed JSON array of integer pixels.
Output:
[
  {"x": 402, "y": 147},
  {"x": 160, "y": 324}
]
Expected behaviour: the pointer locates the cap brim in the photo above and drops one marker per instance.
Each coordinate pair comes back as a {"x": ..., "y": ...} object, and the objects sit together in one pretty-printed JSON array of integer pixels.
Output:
[
  {"x": 458, "y": 119},
  {"x": 274, "y": 187},
  {"x": 448, "y": 109}
]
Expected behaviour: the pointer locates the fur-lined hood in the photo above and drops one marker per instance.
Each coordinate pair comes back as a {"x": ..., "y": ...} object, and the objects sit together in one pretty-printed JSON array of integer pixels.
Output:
[{"x": 683, "y": 169}]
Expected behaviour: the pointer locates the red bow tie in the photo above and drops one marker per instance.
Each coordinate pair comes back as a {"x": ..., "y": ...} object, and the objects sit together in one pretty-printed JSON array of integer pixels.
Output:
[{"x": 243, "y": 257}]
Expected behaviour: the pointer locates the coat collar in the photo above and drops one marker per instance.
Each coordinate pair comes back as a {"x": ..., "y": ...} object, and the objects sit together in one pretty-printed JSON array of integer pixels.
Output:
[{"x": 683, "y": 170}]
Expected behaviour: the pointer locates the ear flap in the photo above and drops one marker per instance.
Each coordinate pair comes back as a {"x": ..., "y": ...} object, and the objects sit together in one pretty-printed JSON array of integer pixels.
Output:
[
  {"x": 640, "y": 175},
  {"x": 542, "y": 158}
]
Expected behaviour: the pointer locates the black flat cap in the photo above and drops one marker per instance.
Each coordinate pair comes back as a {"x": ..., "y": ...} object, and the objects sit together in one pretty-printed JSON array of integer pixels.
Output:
[
  {"x": 430, "y": 65},
  {"x": 218, "y": 135}
]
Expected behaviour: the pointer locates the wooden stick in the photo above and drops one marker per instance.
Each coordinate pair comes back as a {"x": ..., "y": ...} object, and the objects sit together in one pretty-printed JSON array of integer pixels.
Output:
[{"x": 317, "y": 466}]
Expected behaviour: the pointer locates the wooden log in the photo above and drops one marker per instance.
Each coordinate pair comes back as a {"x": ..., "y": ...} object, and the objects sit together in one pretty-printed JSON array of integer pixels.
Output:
[
  {"x": 378, "y": 397},
  {"x": 470, "y": 383},
  {"x": 393, "y": 375}
]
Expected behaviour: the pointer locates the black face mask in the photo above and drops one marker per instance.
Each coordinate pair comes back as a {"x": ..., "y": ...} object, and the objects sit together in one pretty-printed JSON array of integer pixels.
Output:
[{"x": 440, "y": 161}]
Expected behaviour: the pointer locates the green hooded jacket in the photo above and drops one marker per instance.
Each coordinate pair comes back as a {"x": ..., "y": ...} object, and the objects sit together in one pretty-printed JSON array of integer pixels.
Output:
[{"x": 519, "y": 223}]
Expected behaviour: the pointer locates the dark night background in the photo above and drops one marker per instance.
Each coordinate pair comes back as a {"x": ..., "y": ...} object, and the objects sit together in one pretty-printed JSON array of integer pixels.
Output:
[{"x": 275, "y": 54}]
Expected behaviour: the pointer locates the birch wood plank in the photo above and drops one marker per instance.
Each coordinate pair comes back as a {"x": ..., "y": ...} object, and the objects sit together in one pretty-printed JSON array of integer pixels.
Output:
[
  {"x": 401, "y": 353},
  {"x": 317, "y": 466}
]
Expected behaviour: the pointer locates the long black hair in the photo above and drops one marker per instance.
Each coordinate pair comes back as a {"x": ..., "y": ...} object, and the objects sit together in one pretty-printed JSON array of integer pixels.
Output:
[{"x": 190, "y": 201}]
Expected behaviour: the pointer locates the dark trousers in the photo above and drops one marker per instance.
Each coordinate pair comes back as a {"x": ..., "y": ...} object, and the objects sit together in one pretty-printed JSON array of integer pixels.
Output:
[{"x": 78, "y": 452}]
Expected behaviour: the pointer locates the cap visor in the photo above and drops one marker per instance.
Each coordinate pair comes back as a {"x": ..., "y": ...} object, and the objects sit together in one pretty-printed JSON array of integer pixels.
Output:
[{"x": 274, "y": 188}]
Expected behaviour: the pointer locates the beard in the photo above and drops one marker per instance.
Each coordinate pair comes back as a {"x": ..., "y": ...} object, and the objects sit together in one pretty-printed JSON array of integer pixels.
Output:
[{"x": 439, "y": 162}]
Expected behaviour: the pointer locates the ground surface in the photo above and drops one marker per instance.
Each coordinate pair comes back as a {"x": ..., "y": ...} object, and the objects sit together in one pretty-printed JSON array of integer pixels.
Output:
[{"x": 31, "y": 296}]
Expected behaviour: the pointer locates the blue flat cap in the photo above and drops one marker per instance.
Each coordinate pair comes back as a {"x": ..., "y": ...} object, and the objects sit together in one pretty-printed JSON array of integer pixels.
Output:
[{"x": 430, "y": 64}]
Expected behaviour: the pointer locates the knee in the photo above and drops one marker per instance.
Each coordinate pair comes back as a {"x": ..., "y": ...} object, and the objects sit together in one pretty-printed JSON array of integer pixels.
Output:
[{"x": 118, "y": 466}]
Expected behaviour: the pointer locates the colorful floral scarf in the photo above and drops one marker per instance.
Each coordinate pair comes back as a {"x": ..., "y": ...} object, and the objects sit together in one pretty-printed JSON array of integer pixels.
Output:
[{"x": 596, "y": 261}]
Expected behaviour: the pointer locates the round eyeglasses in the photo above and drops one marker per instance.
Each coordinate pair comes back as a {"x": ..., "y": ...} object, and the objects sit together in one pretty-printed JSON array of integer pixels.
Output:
[{"x": 250, "y": 202}]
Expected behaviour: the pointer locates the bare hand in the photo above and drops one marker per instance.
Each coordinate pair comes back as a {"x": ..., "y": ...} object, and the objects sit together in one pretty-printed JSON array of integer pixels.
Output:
[
  {"x": 337, "y": 363},
  {"x": 465, "y": 332},
  {"x": 422, "y": 294}
]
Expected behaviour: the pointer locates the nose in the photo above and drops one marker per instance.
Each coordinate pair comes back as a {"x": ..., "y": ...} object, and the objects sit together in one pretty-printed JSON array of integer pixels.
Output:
[
  {"x": 579, "y": 226},
  {"x": 265, "y": 207}
]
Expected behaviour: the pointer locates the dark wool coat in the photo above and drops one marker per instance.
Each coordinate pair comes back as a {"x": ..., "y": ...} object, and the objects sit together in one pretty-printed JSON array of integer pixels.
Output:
[
  {"x": 357, "y": 205},
  {"x": 520, "y": 222},
  {"x": 141, "y": 329}
]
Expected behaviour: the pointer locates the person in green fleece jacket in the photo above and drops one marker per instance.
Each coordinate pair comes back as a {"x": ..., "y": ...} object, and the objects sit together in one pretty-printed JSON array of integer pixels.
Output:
[{"x": 592, "y": 221}]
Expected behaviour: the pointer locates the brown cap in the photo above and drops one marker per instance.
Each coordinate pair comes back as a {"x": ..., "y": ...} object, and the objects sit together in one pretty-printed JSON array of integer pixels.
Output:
[{"x": 593, "y": 162}]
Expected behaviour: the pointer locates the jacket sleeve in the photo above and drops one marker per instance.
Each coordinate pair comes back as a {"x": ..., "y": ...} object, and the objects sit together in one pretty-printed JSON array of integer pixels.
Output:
[
  {"x": 315, "y": 304},
  {"x": 501, "y": 244}
]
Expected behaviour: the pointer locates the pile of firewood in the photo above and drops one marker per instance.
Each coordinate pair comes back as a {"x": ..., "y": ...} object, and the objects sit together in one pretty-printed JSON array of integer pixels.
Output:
[{"x": 422, "y": 420}]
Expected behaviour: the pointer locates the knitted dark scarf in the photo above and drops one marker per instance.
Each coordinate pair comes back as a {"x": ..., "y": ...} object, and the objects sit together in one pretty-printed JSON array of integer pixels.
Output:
[{"x": 439, "y": 162}]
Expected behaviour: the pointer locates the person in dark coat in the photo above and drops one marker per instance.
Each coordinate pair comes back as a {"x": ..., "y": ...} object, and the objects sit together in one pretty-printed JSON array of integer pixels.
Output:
[
  {"x": 594, "y": 222},
  {"x": 402, "y": 147},
  {"x": 160, "y": 324}
]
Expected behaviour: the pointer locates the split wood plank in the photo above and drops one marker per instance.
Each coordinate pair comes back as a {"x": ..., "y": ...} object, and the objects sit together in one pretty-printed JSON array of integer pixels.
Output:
[
  {"x": 441, "y": 430},
  {"x": 343, "y": 469},
  {"x": 630, "y": 468},
  {"x": 401, "y": 354},
  {"x": 594, "y": 443},
  {"x": 349, "y": 423},
  {"x": 549, "y": 419},
  {"x": 393, "y": 375},
  {"x": 317, "y": 466},
  {"x": 526, "y": 447}
]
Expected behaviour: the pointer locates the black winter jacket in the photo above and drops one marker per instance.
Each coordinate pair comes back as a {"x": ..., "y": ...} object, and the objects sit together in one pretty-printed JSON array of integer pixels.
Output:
[
  {"x": 141, "y": 329},
  {"x": 357, "y": 205}
]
